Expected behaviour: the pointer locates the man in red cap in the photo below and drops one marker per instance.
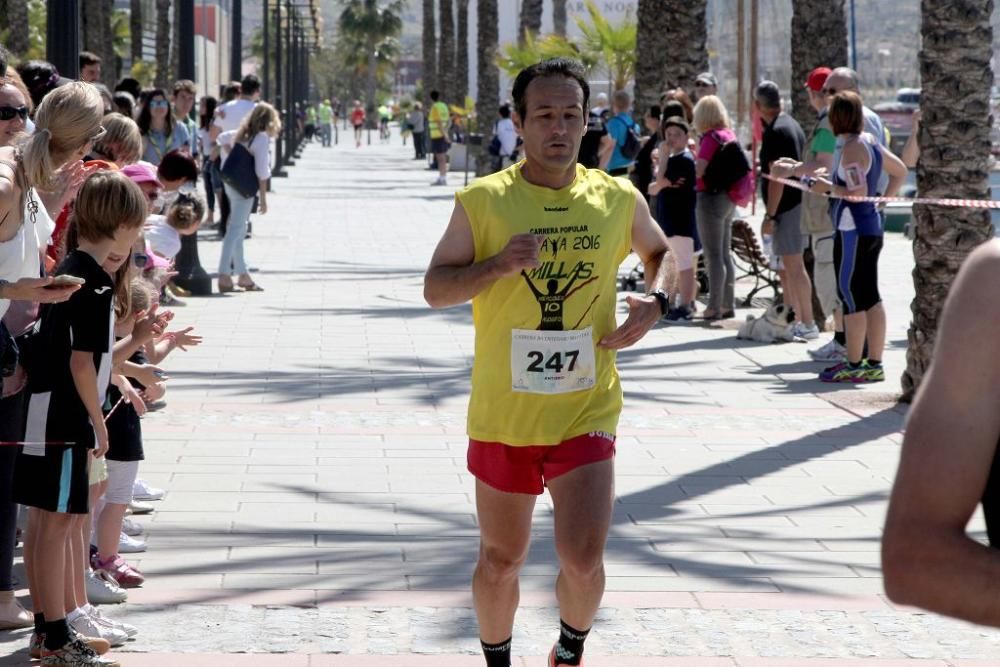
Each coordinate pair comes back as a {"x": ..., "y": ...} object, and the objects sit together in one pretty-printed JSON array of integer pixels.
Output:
[{"x": 816, "y": 221}]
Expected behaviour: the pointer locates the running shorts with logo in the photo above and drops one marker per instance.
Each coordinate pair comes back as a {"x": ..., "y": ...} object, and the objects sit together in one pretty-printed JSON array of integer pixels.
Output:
[{"x": 539, "y": 379}]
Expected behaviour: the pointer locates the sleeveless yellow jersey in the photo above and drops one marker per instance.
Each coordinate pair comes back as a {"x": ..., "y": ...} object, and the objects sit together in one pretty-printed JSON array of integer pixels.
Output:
[{"x": 539, "y": 377}]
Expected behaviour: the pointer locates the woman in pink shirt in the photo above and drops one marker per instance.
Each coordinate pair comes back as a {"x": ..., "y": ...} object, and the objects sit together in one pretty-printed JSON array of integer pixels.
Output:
[{"x": 714, "y": 211}]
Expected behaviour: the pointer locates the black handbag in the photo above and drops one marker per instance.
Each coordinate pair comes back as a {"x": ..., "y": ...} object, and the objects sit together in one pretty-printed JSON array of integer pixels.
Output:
[{"x": 239, "y": 171}]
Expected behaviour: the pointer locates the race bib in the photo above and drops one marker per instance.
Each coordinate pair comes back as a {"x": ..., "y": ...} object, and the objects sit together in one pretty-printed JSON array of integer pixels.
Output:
[{"x": 552, "y": 362}]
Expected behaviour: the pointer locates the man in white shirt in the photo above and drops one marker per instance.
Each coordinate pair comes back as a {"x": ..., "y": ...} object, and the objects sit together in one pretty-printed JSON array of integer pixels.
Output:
[
  {"x": 228, "y": 117},
  {"x": 507, "y": 134}
]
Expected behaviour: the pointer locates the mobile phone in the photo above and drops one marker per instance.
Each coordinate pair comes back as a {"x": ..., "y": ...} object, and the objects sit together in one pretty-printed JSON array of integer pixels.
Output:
[{"x": 65, "y": 280}]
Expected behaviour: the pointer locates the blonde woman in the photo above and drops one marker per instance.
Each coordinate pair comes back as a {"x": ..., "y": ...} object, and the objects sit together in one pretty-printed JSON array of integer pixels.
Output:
[
  {"x": 714, "y": 210},
  {"x": 122, "y": 142},
  {"x": 256, "y": 132}
]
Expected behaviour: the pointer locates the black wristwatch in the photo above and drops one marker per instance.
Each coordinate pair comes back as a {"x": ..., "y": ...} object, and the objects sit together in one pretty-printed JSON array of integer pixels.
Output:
[{"x": 662, "y": 298}]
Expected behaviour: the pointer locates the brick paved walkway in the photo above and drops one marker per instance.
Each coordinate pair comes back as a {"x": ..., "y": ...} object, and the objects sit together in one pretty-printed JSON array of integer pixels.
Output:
[{"x": 318, "y": 506}]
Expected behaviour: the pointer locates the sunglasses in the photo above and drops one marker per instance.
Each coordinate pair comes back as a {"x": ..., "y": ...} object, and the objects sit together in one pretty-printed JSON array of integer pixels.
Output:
[
  {"x": 141, "y": 260},
  {"x": 830, "y": 91},
  {"x": 701, "y": 84},
  {"x": 9, "y": 113},
  {"x": 159, "y": 104}
]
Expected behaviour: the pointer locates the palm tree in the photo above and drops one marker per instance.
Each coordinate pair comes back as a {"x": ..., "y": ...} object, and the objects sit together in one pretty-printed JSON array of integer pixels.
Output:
[
  {"x": 514, "y": 57},
  {"x": 488, "y": 74},
  {"x": 162, "y": 43},
  {"x": 135, "y": 27},
  {"x": 17, "y": 22},
  {"x": 98, "y": 35},
  {"x": 531, "y": 19},
  {"x": 462, "y": 53},
  {"x": 371, "y": 27},
  {"x": 954, "y": 161},
  {"x": 429, "y": 75},
  {"x": 446, "y": 53},
  {"x": 651, "y": 53},
  {"x": 685, "y": 43},
  {"x": 559, "y": 17},
  {"x": 614, "y": 45},
  {"x": 819, "y": 39}
]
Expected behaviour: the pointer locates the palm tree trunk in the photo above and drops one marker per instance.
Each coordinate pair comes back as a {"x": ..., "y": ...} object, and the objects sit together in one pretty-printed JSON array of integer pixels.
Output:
[
  {"x": 135, "y": 28},
  {"x": 559, "y": 18},
  {"x": 954, "y": 161},
  {"x": 531, "y": 19},
  {"x": 651, "y": 49},
  {"x": 370, "y": 79},
  {"x": 175, "y": 42},
  {"x": 429, "y": 75},
  {"x": 97, "y": 35},
  {"x": 684, "y": 42},
  {"x": 488, "y": 74},
  {"x": 17, "y": 23},
  {"x": 162, "y": 43},
  {"x": 446, "y": 53},
  {"x": 462, "y": 53},
  {"x": 819, "y": 39}
]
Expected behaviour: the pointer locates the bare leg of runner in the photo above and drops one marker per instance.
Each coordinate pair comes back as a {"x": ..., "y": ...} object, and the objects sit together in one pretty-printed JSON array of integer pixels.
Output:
[
  {"x": 505, "y": 536},
  {"x": 583, "y": 500}
]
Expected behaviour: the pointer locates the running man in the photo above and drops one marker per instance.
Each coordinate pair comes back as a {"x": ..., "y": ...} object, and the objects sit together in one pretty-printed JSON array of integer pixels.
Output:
[
  {"x": 358, "y": 118},
  {"x": 546, "y": 400}
]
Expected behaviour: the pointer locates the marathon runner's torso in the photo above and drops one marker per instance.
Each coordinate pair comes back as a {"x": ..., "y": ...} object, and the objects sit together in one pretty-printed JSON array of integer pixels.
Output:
[{"x": 539, "y": 377}]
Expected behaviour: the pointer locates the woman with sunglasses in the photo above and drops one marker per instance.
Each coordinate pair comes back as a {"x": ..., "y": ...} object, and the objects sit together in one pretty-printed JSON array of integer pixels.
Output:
[
  {"x": 160, "y": 132},
  {"x": 67, "y": 122},
  {"x": 14, "y": 112}
]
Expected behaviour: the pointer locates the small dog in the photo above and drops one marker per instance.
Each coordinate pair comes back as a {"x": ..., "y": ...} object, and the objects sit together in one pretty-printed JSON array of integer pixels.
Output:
[{"x": 775, "y": 326}]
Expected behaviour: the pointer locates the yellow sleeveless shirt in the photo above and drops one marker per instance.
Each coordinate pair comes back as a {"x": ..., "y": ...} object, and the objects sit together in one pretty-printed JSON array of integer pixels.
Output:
[{"x": 539, "y": 377}]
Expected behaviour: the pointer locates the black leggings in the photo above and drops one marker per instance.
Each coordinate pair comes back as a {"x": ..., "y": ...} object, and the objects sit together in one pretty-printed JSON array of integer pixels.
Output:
[{"x": 11, "y": 430}]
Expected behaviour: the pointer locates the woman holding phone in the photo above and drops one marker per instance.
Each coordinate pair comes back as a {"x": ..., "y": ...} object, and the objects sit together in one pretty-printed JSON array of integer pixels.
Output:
[{"x": 858, "y": 240}]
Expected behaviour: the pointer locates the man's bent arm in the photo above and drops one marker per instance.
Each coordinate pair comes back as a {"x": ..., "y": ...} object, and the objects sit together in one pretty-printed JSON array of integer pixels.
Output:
[
  {"x": 928, "y": 559},
  {"x": 453, "y": 277}
]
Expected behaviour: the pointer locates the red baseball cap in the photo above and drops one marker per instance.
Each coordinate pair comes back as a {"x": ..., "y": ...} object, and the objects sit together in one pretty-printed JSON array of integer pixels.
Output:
[{"x": 817, "y": 78}]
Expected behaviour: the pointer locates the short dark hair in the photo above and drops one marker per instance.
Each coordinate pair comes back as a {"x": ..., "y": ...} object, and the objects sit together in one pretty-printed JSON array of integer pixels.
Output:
[
  {"x": 505, "y": 111},
  {"x": 435, "y": 95},
  {"x": 89, "y": 58},
  {"x": 131, "y": 86},
  {"x": 124, "y": 102},
  {"x": 249, "y": 85},
  {"x": 655, "y": 111},
  {"x": 176, "y": 165},
  {"x": 231, "y": 91},
  {"x": 846, "y": 113},
  {"x": 566, "y": 67}
]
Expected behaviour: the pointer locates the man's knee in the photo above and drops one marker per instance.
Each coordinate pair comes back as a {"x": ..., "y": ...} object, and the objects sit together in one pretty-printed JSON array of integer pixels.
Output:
[
  {"x": 501, "y": 563},
  {"x": 582, "y": 559}
]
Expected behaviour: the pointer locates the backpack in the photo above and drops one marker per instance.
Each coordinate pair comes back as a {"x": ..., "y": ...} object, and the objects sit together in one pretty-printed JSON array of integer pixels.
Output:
[
  {"x": 727, "y": 167},
  {"x": 590, "y": 146},
  {"x": 633, "y": 142}
]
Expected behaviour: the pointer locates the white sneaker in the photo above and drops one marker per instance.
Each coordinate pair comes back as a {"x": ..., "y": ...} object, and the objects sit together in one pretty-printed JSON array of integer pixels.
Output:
[
  {"x": 88, "y": 627},
  {"x": 440, "y": 181},
  {"x": 102, "y": 589},
  {"x": 130, "y": 545},
  {"x": 132, "y": 528},
  {"x": 102, "y": 620},
  {"x": 832, "y": 351},
  {"x": 804, "y": 331},
  {"x": 139, "y": 507},
  {"x": 141, "y": 490}
]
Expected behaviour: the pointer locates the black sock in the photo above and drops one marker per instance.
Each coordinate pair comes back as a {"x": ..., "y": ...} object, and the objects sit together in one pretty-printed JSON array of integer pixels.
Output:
[
  {"x": 569, "y": 650},
  {"x": 853, "y": 366},
  {"x": 874, "y": 362},
  {"x": 497, "y": 655},
  {"x": 840, "y": 337},
  {"x": 39, "y": 624},
  {"x": 56, "y": 634}
]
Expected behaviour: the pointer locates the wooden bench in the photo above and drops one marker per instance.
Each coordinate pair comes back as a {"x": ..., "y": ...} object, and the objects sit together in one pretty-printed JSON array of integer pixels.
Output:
[{"x": 750, "y": 260}]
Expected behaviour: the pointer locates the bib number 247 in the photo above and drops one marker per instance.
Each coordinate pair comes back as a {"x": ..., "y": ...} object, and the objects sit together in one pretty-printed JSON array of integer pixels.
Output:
[{"x": 552, "y": 362}]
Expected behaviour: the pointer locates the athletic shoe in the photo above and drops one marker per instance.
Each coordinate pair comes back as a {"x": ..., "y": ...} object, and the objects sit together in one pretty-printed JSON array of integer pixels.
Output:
[
  {"x": 35, "y": 645},
  {"x": 143, "y": 490},
  {"x": 74, "y": 654},
  {"x": 102, "y": 620},
  {"x": 123, "y": 573},
  {"x": 440, "y": 181},
  {"x": 857, "y": 375},
  {"x": 86, "y": 625},
  {"x": 832, "y": 351},
  {"x": 139, "y": 507},
  {"x": 96, "y": 644},
  {"x": 873, "y": 373},
  {"x": 804, "y": 331},
  {"x": 12, "y": 615},
  {"x": 103, "y": 589},
  {"x": 132, "y": 528},
  {"x": 552, "y": 659},
  {"x": 130, "y": 545},
  {"x": 168, "y": 299},
  {"x": 679, "y": 315}
]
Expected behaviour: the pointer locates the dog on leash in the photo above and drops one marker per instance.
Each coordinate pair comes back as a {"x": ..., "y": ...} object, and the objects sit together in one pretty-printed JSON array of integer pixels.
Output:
[{"x": 774, "y": 326}]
